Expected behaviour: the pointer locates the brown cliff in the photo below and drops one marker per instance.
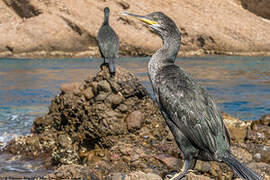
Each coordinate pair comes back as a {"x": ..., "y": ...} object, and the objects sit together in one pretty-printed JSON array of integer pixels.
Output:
[{"x": 34, "y": 28}]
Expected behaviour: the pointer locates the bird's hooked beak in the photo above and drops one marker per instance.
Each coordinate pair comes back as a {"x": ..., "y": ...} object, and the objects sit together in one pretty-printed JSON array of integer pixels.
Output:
[{"x": 142, "y": 18}]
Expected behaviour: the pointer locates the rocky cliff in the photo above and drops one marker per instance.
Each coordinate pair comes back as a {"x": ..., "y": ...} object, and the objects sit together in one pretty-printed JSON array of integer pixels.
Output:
[
  {"x": 259, "y": 7},
  {"x": 35, "y": 28}
]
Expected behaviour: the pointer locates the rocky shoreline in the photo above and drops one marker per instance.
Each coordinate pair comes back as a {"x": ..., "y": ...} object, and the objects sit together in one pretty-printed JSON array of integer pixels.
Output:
[
  {"x": 55, "y": 28},
  {"x": 109, "y": 128}
]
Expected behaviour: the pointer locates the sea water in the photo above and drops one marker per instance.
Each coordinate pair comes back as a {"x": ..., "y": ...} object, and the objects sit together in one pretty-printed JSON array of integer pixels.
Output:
[{"x": 240, "y": 85}]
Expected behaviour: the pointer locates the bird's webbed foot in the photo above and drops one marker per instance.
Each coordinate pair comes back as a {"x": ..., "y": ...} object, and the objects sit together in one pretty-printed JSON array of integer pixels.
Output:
[
  {"x": 110, "y": 67},
  {"x": 177, "y": 176},
  {"x": 104, "y": 65}
]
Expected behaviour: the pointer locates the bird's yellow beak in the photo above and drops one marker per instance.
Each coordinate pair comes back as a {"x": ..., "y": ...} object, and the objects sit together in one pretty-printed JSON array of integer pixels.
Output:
[
  {"x": 141, "y": 18},
  {"x": 147, "y": 21}
]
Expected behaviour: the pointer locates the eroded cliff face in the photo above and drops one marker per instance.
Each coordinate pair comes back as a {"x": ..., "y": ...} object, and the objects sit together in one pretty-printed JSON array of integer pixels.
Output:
[
  {"x": 259, "y": 7},
  {"x": 35, "y": 28}
]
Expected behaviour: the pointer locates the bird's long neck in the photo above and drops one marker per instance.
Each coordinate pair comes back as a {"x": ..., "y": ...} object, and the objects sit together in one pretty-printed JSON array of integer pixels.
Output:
[
  {"x": 106, "y": 18},
  {"x": 165, "y": 55}
]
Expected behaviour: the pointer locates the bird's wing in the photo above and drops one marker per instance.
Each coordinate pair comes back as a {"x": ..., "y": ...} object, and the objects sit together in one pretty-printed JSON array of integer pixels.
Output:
[
  {"x": 108, "y": 42},
  {"x": 190, "y": 108}
]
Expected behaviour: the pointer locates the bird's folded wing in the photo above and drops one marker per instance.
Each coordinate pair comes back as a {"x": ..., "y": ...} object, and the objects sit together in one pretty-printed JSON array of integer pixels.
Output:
[{"x": 191, "y": 109}]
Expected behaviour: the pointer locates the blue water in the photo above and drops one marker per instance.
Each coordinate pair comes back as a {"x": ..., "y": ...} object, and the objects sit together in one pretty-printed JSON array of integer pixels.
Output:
[{"x": 240, "y": 85}]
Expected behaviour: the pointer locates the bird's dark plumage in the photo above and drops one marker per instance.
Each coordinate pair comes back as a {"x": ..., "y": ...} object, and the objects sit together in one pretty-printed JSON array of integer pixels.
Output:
[
  {"x": 108, "y": 42},
  {"x": 189, "y": 111}
]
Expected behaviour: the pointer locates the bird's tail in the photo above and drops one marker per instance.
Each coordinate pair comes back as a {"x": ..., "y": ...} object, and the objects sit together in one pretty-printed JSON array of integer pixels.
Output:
[
  {"x": 240, "y": 169},
  {"x": 112, "y": 65}
]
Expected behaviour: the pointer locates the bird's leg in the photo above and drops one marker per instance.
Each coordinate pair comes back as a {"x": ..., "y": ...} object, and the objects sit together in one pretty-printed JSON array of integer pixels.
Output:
[
  {"x": 193, "y": 164},
  {"x": 182, "y": 173},
  {"x": 105, "y": 64}
]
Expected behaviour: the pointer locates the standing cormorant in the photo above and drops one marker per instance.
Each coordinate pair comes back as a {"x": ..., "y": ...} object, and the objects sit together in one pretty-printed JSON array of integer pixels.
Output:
[
  {"x": 188, "y": 109},
  {"x": 108, "y": 42}
]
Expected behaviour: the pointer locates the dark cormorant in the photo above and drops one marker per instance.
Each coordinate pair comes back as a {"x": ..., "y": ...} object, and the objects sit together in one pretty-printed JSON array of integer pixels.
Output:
[
  {"x": 188, "y": 109},
  {"x": 108, "y": 42}
]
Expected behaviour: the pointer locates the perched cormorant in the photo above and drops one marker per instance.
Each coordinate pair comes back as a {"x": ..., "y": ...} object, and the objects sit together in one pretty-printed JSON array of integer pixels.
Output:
[
  {"x": 108, "y": 42},
  {"x": 188, "y": 109}
]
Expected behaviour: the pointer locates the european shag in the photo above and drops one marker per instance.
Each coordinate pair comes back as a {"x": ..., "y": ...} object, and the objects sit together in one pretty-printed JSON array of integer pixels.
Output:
[
  {"x": 108, "y": 42},
  {"x": 189, "y": 111}
]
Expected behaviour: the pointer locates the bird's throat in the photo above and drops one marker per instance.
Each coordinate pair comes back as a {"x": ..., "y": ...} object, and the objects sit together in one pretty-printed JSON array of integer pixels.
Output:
[
  {"x": 164, "y": 56},
  {"x": 106, "y": 18}
]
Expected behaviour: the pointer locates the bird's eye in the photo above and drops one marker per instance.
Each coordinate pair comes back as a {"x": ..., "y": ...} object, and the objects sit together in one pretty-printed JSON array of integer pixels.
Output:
[{"x": 155, "y": 19}]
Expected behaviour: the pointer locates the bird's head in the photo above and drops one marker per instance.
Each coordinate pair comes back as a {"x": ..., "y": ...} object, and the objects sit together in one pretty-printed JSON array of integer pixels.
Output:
[
  {"x": 106, "y": 10},
  {"x": 158, "y": 21}
]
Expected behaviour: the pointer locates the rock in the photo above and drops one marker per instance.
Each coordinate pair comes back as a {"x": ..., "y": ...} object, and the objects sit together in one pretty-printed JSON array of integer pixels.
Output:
[
  {"x": 236, "y": 127},
  {"x": 115, "y": 87},
  {"x": 64, "y": 140},
  {"x": 71, "y": 88},
  {"x": 257, "y": 157},
  {"x": 261, "y": 8},
  {"x": 118, "y": 176},
  {"x": 192, "y": 176},
  {"x": 241, "y": 154},
  {"x": 123, "y": 108},
  {"x": 76, "y": 128},
  {"x": 72, "y": 172},
  {"x": 104, "y": 86},
  {"x": 260, "y": 167},
  {"x": 203, "y": 167},
  {"x": 260, "y": 152},
  {"x": 134, "y": 120},
  {"x": 101, "y": 97},
  {"x": 137, "y": 175},
  {"x": 88, "y": 93},
  {"x": 170, "y": 161},
  {"x": 69, "y": 28},
  {"x": 123, "y": 4},
  {"x": 265, "y": 120},
  {"x": 115, "y": 99},
  {"x": 255, "y": 136}
]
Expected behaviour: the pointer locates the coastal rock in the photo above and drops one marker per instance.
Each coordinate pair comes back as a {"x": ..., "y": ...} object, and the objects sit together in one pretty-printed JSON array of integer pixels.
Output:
[
  {"x": 107, "y": 133},
  {"x": 122, "y": 135},
  {"x": 104, "y": 86},
  {"x": 134, "y": 120},
  {"x": 192, "y": 176},
  {"x": 259, "y": 7},
  {"x": 68, "y": 28},
  {"x": 237, "y": 128},
  {"x": 88, "y": 93},
  {"x": 135, "y": 175},
  {"x": 241, "y": 154},
  {"x": 115, "y": 99},
  {"x": 72, "y": 172},
  {"x": 170, "y": 161},
  {"x": 64, "y": 140},
  {"x": 71, "y": 88},
  {"x": 261, "y": 168}
]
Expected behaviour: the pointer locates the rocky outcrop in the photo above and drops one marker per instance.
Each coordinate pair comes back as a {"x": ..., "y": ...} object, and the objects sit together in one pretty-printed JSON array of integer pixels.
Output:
[
  {"x": 109, "y": 124},
  {"x": 68, "y": 28},
  {"x": 109, "y": 128},
  {"x": 259, "y": 7}
]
